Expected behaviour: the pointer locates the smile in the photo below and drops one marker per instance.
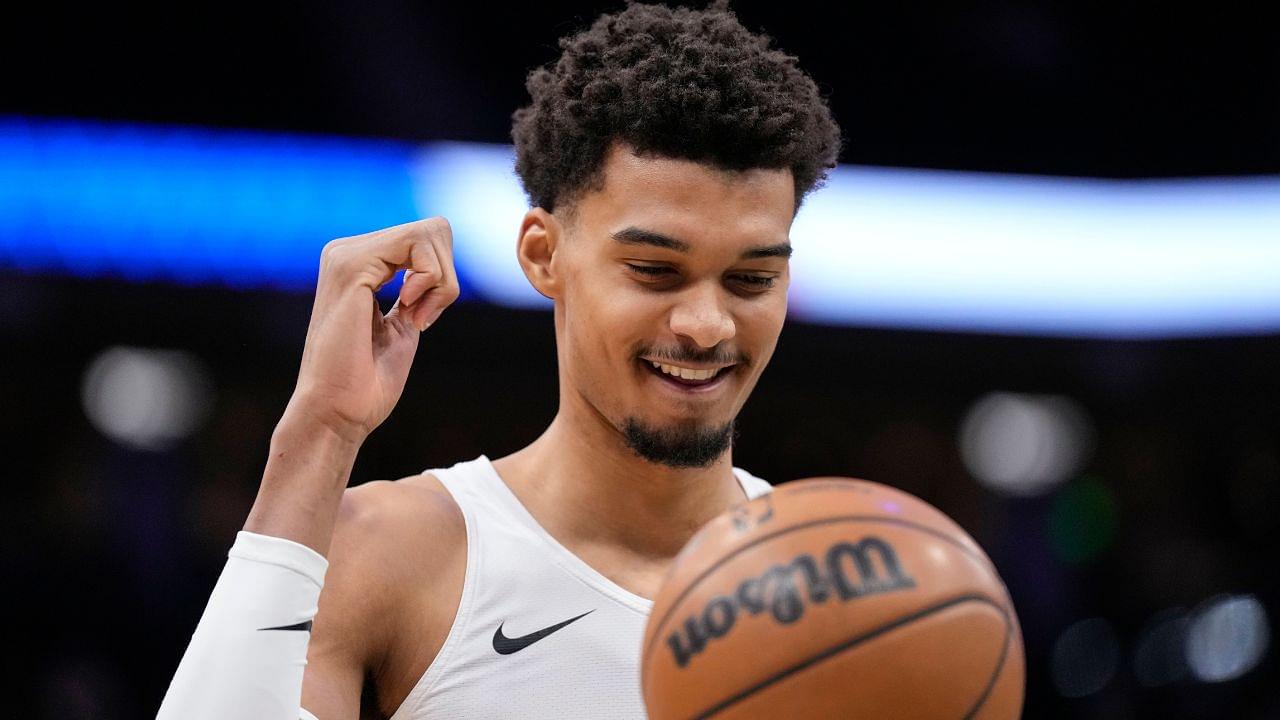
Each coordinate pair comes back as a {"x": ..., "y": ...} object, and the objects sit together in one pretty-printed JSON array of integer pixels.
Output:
[
  {"x": 685, "y": 373},
  {"x": 687, "y": 378}
]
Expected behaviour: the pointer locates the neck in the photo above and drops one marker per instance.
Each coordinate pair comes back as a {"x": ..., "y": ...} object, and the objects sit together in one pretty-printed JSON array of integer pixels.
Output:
[{"x": 585, "y": 486}]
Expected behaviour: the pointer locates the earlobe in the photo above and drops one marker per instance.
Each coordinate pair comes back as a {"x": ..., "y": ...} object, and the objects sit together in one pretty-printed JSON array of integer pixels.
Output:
[{"x": 540, "y": 237}]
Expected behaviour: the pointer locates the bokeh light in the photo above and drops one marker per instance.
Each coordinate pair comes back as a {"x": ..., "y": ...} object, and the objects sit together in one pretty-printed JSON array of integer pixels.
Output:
[
  {"x": 1085, "y": 658},
  {"x": 1227, "y": 637},
  {"x": 1083, "y": 520},
  {"x": 145, "y": 399},
  {"x": 1025, "y": 445}
]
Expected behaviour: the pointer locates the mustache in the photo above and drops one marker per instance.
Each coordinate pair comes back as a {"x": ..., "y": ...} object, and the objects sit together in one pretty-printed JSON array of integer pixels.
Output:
[{"x": 711, "y": 356}]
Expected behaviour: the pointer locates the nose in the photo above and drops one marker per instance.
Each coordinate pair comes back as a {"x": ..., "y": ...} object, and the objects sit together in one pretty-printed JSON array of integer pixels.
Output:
[{"x": 701, "y": 317}]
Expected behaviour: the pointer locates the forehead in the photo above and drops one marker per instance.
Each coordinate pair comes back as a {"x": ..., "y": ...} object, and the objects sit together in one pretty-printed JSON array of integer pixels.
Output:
[{"x": 690, "y": 199}]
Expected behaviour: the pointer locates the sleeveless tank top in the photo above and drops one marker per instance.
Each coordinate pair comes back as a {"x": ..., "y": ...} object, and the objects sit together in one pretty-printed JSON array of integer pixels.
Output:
[{"x": 538, "y": 632}]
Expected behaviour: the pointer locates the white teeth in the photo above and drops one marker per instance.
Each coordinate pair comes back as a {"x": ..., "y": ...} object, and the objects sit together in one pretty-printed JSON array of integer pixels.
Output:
[{"x": 685, "y": 373}]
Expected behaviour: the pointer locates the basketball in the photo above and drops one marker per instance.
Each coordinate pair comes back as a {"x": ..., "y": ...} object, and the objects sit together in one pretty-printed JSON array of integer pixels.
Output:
[{"x": 833, "y": 598}]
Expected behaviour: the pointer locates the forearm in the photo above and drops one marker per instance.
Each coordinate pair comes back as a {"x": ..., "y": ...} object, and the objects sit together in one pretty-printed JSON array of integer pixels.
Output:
[
  {"x": 247, "y": 655},
  {"x": 302, "y": 485}
]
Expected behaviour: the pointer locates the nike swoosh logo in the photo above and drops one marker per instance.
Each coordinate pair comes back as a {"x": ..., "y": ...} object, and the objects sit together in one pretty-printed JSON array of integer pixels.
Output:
[
  {"x": 303, "y": 626},
  {"x": 505, "y": 645}
]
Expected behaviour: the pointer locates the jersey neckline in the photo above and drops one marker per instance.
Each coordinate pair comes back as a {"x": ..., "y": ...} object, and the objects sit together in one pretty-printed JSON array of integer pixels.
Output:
[{"x": 567, "y": 557}]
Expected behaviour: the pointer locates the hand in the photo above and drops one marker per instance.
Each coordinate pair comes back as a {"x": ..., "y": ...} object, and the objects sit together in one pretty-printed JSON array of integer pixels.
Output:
[{"x": 356, "y": 360}]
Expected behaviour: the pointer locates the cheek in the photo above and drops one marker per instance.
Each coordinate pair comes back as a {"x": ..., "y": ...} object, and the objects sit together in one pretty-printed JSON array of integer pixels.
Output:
[
  {"x": 607, "y": 322},
  {"x": 614, "y": 309},
  {"x": 760, "y": 322}
]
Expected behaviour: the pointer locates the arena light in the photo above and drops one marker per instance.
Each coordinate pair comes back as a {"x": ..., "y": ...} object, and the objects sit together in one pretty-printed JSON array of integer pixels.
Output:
[
  {"x": 1227, "y": 637},
  {"x": 967, "y": 251},
  {"x": 145, "y": 399},
  {"x": 190, "y": 205},
  {"x": 1085, "y": 658},
  {"x": 475, "y": 187},
  {"x": 877, "y": 247},
  {"x": 1024, "y": 445}
]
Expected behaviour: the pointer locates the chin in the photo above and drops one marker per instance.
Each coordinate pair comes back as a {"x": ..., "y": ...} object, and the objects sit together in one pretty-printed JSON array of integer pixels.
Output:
[{"x": 689, "y": 444}]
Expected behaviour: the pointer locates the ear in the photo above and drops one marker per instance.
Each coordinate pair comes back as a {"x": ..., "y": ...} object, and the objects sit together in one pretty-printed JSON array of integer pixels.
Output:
[{"x": 540, "y": 237}]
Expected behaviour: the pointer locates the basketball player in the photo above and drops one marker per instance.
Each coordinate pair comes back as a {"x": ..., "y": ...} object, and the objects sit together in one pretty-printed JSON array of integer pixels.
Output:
[{"x": 665, "y": 155}]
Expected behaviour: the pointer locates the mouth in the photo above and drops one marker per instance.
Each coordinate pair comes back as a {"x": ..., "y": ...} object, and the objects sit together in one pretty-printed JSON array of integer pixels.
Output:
[{"x": 686, "y": 379}]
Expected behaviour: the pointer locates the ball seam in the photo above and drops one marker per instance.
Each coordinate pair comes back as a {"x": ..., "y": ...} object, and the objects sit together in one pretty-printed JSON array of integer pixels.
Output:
[{"x": 859, "y": 639}]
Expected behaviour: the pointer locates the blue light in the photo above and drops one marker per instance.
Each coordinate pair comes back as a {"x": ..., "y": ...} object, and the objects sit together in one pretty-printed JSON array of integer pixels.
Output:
[
  {"x": 876, "y": 247},
  {"x": 190, "y": 205}
]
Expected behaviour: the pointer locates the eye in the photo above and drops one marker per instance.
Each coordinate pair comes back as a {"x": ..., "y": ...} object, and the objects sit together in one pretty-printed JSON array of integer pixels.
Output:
[
  {"x": 651, "y": 270},
  {"x": 755, "y": 282}
]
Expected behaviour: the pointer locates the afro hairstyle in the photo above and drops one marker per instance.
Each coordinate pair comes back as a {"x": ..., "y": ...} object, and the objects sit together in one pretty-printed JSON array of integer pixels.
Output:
[{"x": 670, "y": 82}]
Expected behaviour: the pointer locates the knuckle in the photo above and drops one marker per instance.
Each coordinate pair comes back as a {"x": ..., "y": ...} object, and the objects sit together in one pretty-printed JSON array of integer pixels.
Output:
[
  {"x": 331, "y": 246},
  {"x": 335, "y": 254},
  {"x": 440, "y": 226}
]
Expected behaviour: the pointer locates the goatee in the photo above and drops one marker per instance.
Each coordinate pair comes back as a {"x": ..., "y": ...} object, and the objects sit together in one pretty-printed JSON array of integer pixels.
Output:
[{"x": 681, "y": 447}]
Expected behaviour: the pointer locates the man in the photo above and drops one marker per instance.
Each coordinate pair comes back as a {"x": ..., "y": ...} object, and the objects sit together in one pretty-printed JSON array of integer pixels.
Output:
[{"x": 665, "y": 155}]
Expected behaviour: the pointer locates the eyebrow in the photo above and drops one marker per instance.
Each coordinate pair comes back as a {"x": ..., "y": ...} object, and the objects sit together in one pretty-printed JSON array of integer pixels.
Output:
[{"x": 640, "y": 236}]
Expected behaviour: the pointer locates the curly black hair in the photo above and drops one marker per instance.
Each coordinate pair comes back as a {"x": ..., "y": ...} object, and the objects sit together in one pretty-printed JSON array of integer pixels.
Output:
[{"x": 670, "y": 82}]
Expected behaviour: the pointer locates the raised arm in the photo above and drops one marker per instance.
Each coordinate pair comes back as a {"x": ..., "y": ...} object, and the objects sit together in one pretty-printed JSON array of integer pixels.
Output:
[
  {"x": 354, "y": 366},
  {"x": 247, "y": 655}
]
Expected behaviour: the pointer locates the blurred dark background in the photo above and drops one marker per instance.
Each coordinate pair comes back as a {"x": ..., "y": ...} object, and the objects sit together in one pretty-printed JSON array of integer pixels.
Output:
[{"x": 1141, "y": 575}]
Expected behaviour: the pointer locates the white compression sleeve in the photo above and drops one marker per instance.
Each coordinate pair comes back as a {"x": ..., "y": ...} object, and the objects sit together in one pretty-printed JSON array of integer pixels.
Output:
[{"x": 247, "y": 655}]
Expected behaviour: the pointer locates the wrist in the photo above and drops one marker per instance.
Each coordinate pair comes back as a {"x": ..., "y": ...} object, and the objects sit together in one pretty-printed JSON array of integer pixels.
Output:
[
  {"x": 305, "y": 421},
  {"x": 302, "y": 485},
  {"x": 304, "y": 431},
  {"x": 304, "y": 451}
]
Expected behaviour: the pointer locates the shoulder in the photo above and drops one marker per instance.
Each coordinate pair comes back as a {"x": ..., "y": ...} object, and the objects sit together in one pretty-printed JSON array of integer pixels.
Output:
[
  {"x": 399, "y": 548},
  {"x": 385, "y": 513},
  {"x": 392, "y": 532},
  {"x": 396, "y": 569}
]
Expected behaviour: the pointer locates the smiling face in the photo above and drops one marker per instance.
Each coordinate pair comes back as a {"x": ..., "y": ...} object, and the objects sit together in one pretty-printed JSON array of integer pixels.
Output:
[{"x": 670, "y": 283}]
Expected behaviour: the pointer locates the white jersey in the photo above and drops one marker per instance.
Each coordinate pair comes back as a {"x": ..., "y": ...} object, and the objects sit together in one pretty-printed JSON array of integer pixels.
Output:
[{"x": 538, "y": 632}]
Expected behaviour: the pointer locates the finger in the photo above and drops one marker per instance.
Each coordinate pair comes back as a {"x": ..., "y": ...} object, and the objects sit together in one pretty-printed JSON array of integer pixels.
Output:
[
  {"x": 419, "y": 240},
  {"x": 426, "y": 273},
  {"x": 444, "y": 292},
  {"x": 377, "y": 256},
  {"x": 432, "y": 306},
  {"x": 443, "y": 244},
  {"x": 425, "y": 266}
]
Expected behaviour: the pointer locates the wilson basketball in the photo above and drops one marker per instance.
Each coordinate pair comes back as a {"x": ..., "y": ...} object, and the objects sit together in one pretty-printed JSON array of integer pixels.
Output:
[{"x": 833, "y": 598}]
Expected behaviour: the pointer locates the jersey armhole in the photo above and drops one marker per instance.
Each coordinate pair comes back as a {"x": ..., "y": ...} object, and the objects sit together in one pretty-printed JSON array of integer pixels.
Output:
[{"x": 462, "y": 615}]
